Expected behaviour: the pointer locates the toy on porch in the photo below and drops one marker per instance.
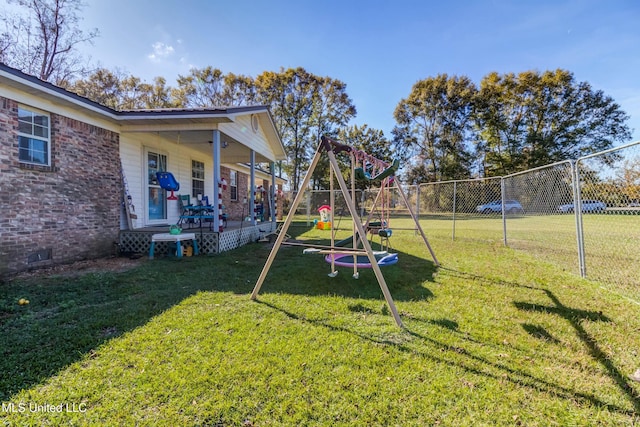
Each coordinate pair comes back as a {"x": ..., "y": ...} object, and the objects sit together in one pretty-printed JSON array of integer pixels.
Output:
[
  {"x": 167, "y": 181},
  {"x": 325, "y": 218}
]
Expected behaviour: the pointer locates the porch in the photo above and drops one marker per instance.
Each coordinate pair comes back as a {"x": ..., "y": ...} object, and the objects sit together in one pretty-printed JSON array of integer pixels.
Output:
[
  {"x": 218, "y": 153},
  {"x": 235, "y": 234}
]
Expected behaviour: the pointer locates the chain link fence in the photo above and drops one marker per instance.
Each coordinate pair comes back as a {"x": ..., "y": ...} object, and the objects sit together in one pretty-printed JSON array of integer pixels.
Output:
[
  {"x": 609, "y": 227},
  {"x": 313, "y": 200},
  {"x": 582, "y": 215},
  {"x": 547, "y": 228}
]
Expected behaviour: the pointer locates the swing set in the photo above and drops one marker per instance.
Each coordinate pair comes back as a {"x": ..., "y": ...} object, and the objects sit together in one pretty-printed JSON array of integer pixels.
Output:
[{"x": 355, "y": 251}]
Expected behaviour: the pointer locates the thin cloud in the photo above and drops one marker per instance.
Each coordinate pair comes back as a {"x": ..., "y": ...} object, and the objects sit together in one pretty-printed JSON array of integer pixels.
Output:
[{"x": 160, "y": 51}]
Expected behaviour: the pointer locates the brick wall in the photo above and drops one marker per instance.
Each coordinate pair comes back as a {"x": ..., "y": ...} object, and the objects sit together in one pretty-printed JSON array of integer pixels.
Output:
[
  {"x": 69, "y": 211},
  {"x": 234, "y": 208}
]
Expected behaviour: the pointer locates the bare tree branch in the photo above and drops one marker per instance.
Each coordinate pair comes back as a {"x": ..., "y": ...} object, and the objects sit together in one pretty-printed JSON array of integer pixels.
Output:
[{"x": 42, "y": 40}]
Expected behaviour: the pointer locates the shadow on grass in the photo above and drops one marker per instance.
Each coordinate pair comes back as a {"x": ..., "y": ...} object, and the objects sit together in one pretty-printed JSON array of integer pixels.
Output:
[
  {"x": 540, "y": 333},
  {"x": 68, "y": 317},
  {"x": 461, "y": 358},
  {"x": 296, "y": 273},
  {"x": 575, "y": 317}
]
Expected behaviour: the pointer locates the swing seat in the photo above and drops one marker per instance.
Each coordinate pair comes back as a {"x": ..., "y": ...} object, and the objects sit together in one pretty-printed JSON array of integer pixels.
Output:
[
  {"x": 385, "y": 232},
  {"x": 391, "y": 170},
  {"x": 167, "y": 181},
  {"x": 361, "y": 174},
  {"x": 383, "y": 259}
]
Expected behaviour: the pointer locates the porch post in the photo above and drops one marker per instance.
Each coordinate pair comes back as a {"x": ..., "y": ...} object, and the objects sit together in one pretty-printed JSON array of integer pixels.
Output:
[
  {"x": 252, "y": 189},
  {"x": 272, "y": 191},
  {"x": 216, "y": 180}
]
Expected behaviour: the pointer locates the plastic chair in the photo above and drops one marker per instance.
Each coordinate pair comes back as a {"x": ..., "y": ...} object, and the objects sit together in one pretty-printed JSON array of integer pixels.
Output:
[{"x": 186, "y": 213}]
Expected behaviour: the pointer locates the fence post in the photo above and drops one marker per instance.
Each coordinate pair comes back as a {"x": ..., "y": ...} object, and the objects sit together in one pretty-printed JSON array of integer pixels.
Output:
[
  {"x": 453, "y": 232},
  {"x": 308, "y": 207},
  {"x": 504, "y": 216},
  {"x": 417, "y": 205},
  {"x": 577, "y": 208}
]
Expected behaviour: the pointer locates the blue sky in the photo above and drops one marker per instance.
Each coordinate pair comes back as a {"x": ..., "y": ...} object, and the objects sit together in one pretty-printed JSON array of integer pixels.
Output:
[{"x": 378, "y": 48}]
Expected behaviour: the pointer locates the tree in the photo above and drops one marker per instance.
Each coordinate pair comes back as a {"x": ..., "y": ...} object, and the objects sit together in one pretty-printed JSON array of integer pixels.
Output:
[
  {"x": 210, "y": 87},
  {"x": 417, "y": 174},
  {"x": 101, "y": 86},
  {"x": 629, "y": 178},
  {"x": 534, "y": 119},
  {"x": 156, "y": 95},
  {"x": 43, "y": 40},
  {"x": 201, "y": 88},
  {"x": 434, "y": 126},
  {"x": 332, "y": 109},
  {"x": 371, "y": 141},
  {"x": 116, "y": 90},
  {"x": 239, "y": 90},
  {"x": 304, "y": 107},
  {"x": 368, "y": 140},
  {"x": 289, "y": 94}
]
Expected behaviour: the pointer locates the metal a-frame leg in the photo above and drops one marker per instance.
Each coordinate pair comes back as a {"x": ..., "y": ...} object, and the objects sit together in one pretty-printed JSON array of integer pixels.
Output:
[
  {"x": 354, "y": 217},
  {"x": 285, "y": 226},
  {"x": 417, "y": 222},
  {"x": 365, "y": 243}
]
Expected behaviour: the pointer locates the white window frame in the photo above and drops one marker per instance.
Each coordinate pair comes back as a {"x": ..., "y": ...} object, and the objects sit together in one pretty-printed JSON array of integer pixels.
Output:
[
  {"x": 32, "y": 135},
  {"x": 202, "y": 180},
  {"x": 147, "y": 185},
  {"x": 233, "y": 184}
]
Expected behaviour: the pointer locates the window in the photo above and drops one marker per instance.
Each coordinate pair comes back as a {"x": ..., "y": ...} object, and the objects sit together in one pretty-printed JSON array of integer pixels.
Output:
[
  {"x": 197, "y": 178},
  {"x": 233, "y": 185},
  {"x": 33, "y": 137}
]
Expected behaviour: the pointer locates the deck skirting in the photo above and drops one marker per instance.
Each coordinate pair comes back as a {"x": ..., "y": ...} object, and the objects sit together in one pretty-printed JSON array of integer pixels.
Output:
[{"x": 209, "y": 242}]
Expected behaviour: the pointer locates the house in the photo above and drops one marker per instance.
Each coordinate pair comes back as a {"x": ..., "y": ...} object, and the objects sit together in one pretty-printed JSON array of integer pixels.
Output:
[{"x": 68, "y": 163}]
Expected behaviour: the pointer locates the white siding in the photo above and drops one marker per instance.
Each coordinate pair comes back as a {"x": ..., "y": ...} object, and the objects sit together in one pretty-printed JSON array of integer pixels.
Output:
[
  {"x": 68, "y": 111},
  {"x": 241, "y": 130},
  {"x": 132, "y": 152}
]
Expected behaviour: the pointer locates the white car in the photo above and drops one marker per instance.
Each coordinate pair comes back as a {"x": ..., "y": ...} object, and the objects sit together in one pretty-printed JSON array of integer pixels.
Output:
[
  {"x": 510, "y": 206},
  {"x": 587, "y": 206}
]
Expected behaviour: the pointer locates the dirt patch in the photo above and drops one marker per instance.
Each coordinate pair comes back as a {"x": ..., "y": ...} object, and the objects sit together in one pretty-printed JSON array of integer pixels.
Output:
[{"x": 79, "y": 268}]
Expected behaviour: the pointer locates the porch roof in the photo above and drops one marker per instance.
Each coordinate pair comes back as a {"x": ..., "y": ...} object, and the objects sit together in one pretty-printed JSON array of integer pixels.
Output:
[
  {"x": 188, "y": 125},
  {"x": 194, "y": 126}
]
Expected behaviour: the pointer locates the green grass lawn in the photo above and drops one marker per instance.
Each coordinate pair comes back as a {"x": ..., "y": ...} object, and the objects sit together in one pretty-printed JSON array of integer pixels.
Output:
[
  {"x": 612, "y": 242},
  {"x": 494, "y": 336}
]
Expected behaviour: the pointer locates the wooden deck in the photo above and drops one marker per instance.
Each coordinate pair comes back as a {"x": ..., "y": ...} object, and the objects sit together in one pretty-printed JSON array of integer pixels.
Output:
[{"x": 234, "y": 235}]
